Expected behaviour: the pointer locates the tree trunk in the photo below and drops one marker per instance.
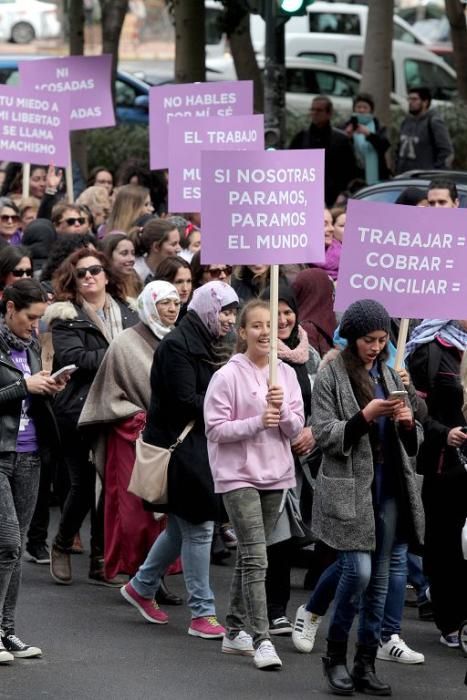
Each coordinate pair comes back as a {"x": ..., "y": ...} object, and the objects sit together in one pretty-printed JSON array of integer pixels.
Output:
[
  {"x": 377, "y": 61},
  {"x": 243, "y": 54},
  {"x": 190, "y": 52},
  {"x": 456, "y": 16},
  {"x": 113, "y": 14},
  {"x": 76, "y": 42}
]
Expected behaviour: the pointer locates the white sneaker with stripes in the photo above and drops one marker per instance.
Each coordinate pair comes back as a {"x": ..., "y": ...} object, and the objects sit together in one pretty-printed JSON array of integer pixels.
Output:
[{"x": 397, "y": 650}]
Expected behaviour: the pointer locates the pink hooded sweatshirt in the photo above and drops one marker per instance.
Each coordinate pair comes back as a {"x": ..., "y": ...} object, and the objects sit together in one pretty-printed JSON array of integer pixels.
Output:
[{"x": 242, "y": 452}]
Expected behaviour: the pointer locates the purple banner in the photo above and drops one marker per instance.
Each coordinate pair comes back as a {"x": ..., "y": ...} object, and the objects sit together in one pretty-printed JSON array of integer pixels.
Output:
[
  {"x": 188, "y": 137},
  {"x": 167, "y": 102},
  {"x": 262, "y": 207},
  {"x": 413, "y": 260},
  {"x": 85, "y": 78},
  {"x": 34, "y": 128}
]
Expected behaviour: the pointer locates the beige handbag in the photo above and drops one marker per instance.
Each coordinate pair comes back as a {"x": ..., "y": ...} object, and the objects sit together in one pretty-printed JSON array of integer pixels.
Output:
[{"x": 149, "y": 475}]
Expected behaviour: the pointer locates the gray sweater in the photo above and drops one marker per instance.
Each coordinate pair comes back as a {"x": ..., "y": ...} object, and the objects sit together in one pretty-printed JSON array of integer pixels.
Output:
[
  {"x": 343, "y": 515},
  {"x": 424, "y": 143}
]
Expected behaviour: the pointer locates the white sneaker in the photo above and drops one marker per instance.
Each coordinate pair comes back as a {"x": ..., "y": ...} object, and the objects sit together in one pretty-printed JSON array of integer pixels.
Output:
[
  {"x": 305, "y": 629},
  {"x": 4, "y": 654},
  {"x": 266, "y": 657},
  {"x": 242, "y": 644},
  {"x": 397, "y": 650}
]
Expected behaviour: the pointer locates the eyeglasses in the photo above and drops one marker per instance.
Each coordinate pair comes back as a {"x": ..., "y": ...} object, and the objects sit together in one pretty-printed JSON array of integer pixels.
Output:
[
  {"x": 217, "y": 271},
  {"x": 93, "y": 270},
  {"x": 22, "y": 273},
  {"x": 6, "y": 218},
  {"x": 72, "y": 220}
]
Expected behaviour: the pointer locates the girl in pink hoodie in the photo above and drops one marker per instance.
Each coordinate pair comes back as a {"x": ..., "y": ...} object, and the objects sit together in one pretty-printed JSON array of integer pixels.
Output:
[{"x": 249, "y": 426}]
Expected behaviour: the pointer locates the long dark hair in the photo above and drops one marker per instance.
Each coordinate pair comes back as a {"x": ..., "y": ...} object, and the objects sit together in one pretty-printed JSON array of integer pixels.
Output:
[
  {"x": 10, "y": 256},
  {"x": 358, "y": 374},
  {"x": 23, "y": 293}
]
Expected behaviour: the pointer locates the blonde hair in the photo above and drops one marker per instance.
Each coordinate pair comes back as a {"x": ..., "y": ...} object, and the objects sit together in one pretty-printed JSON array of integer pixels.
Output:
[
  {"x": 128, "y": 207},
  {"x": 95, "y": 198},
  {"x": 243, "y": 319}
]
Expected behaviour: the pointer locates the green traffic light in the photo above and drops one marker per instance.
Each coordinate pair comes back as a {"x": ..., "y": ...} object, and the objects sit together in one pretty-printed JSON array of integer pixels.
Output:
[
  {"x": 291, "y": 5},
  {"x": 294, "y": 7}
]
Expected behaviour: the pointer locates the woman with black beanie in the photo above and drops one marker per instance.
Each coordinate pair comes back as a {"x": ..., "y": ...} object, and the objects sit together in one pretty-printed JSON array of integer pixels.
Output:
[{"x": 366, "y": 488}]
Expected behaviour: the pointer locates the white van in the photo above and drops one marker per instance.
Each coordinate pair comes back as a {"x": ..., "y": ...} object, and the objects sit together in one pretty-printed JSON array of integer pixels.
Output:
[
  {"x": 333, "y": 19},
  {"x": 412, "y": 66}
]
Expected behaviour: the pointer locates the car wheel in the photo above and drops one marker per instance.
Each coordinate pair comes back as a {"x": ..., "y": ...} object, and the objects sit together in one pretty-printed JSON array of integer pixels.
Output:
[
  {"x": 463, "y": 637},
  {"x": 22, "y": 33}
]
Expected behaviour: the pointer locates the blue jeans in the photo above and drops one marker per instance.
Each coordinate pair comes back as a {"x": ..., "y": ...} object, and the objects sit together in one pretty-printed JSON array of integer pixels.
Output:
[
  {"x": 193, "y": 542},
  {"x": 363, "y": 583},
  {"x": 395, "y": 599},
  {"x": 416, "y": 577}
]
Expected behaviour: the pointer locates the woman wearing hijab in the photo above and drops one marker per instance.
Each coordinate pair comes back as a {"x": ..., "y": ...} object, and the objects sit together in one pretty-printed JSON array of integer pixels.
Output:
[
  {"x": 123, "y": 378},
  {"x": 183, "y": 366},
  {"x": 315, "y": 299},
  {"x": 332, "y": 249},
  {"x": 435, "y": 352}
]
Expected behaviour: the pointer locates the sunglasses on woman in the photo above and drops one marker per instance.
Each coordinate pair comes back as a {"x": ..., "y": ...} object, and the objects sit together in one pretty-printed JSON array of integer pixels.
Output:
[
  {"x": 19, "y": 272},
  {"x": 93, "y": 270},
  {"x": 6, "y": 218},
  {"x": 217, "y": 271}
]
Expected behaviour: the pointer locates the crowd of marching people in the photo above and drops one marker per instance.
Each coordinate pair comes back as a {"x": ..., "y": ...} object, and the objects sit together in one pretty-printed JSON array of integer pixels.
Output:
[{"x": 107, "y": 297}]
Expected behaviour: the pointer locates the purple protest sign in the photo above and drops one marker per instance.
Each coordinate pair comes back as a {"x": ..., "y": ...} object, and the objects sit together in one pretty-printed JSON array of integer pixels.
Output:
[
  {"x": 262, "y": 207},
  {"x": 34, "y": 128},
  {"x": 167, "y": 102},
  {"x": 85, "y": 78},
  {"x": 410, "y": 259},
  {"x": 188, "y": 137}
]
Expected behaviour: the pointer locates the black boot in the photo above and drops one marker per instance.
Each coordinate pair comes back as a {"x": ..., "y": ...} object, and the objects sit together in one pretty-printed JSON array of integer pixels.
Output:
[
  {"x": 364, "y": 675},
  {"x": 335, "y": 669},
  {"x": 166, "y": 597}
]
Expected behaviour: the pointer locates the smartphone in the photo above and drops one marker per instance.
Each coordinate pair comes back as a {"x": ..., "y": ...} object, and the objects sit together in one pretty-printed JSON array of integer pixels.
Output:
[
  {"x": 68, "y": 369},
  {"x": 353, "y": 121},
  {"x": 397, "y": 395}
]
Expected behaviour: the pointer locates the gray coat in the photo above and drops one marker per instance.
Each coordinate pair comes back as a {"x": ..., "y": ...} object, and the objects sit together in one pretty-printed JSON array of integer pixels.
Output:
[{"x": 343, "y": 515}]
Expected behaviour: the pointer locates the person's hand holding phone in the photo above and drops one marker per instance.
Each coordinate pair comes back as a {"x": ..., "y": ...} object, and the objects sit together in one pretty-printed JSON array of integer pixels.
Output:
[
  {"x": 457, "y": 436},
  {"x": 380, "y": 407}
]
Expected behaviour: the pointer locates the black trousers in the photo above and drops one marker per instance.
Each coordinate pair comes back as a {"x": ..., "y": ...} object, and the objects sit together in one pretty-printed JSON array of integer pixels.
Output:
[
  {"x": 38, "y": 530},
  {"x": 445, "y": 501},
  {"x": 280, "y": 558},
  {"x": 81, "y": 496}
]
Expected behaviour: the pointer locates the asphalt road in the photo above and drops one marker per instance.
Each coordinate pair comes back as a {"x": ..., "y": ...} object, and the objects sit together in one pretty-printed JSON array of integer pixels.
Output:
[{"x": 95, "y": 646}]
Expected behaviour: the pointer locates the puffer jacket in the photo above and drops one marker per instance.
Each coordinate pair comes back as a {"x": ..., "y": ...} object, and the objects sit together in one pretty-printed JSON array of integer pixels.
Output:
[{"x": 77, "y": 340}]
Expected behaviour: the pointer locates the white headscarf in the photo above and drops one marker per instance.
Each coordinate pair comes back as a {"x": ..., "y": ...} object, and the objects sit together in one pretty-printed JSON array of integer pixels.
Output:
[
  {"x": 209, "y": 300},
  {"x": 152, "y": 294}
]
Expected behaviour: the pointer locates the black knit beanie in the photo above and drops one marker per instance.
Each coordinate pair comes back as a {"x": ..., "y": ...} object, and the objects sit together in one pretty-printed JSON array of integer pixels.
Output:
[{"x": 364, "y": 317}]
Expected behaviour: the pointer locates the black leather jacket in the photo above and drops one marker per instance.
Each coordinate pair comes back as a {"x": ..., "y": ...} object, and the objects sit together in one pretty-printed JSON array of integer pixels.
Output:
[{"x": 13, "y": 391}]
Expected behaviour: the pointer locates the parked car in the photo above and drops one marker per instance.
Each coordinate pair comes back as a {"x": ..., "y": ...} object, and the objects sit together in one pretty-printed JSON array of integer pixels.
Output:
[
  {"x": 390, "y": 190},
  {"x": 412, "y": 66},
  {"x": 131, "y": 93},
  {"x": 306, "y": 79},
  {"x": 22, "y": 21}
]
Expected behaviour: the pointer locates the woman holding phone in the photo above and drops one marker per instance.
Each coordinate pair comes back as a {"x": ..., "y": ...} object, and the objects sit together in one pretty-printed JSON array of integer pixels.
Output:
[
  {"x": 27, "y": 423},
  {"x": 366, "y": 489}
]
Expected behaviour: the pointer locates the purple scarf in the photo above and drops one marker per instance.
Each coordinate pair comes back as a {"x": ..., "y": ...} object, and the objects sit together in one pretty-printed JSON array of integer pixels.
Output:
[{"x": 332, "y": 258}]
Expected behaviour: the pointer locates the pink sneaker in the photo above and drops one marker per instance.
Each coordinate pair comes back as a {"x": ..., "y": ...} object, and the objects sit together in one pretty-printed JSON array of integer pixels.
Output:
[
  {"x": 148, "y": 607},
  {"x": 206, "y": 627}
]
